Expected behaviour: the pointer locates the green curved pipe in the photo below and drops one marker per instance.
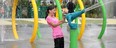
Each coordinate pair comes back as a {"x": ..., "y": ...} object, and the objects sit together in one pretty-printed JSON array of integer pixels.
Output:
[
  {"x": 76, "y": 20},
  {"x": 73, "y": 38},
  {"x": 38, "y": 31},
  {"x": 59, "y": 9},
  {"x": 104, "y": 20}
]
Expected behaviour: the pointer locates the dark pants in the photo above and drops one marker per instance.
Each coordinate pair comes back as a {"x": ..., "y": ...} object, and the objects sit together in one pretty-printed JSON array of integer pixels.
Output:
[{"x": 59, "y": 42}]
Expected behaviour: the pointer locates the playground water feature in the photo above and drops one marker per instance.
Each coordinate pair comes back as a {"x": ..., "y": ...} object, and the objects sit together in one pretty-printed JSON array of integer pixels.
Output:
[{"x": 24, "y": 38}]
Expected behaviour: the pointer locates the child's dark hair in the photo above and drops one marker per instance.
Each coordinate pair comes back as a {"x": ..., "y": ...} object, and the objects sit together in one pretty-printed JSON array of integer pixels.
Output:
[{"x": 49, "y": 8}]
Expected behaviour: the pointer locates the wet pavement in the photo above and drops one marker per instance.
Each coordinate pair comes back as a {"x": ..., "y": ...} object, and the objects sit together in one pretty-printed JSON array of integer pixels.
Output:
[{"x": 89, "y": 39}]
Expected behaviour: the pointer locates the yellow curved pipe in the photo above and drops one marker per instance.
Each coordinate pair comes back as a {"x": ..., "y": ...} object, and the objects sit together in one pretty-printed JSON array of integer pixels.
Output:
[
  {"x": 35, "y": 21},
  {"x": 57, "y": 13},
  {"x": 83, "y": 20},
  {"x": 15, "y": 2}
]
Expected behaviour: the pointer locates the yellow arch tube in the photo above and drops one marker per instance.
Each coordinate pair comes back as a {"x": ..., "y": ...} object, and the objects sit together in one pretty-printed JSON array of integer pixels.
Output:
[
  {"x": 83, "y": 20},
  {"x": 57, "y": 13},
  {"x": 15, "y": 2},
  {"x": 35, "y": 21}
]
